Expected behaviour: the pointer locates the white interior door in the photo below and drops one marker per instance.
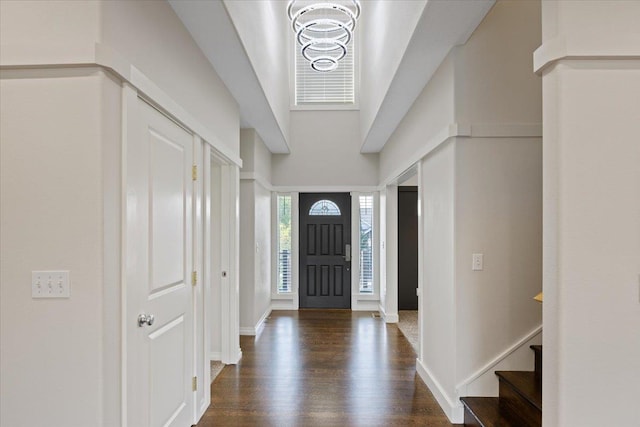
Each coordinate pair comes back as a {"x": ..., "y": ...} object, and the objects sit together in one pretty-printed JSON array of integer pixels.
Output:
[{"x": 159, "y": 260}]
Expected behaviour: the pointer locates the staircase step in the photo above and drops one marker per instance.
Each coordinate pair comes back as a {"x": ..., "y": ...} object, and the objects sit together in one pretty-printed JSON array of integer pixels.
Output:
[
  {"x": 537, "y": 349},
  {"x": 484, "y": 412},
  {"x": 521, "y": 396}
]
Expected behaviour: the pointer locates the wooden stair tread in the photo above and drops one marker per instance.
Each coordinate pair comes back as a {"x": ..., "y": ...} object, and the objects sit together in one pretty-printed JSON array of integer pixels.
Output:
[
  {"x": 536, "y": 348},
  {"x": 526, "y": 384},
  {"x": 487, "y": 411}
]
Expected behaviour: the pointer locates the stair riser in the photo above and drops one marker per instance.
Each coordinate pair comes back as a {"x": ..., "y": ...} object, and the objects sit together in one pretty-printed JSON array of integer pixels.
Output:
[
  {"x": 538, "y": 362},
  {"x": 470, "y": 420},
  {"x": 512, "y": 403}
]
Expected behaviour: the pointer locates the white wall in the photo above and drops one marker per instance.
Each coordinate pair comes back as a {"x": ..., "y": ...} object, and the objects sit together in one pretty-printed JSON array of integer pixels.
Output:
[
  {"x": 52, "y": 350},
  {"x": 498, "y": 212},
  {"x": 385, "y": 29},
  {"x": 247, "y": 251},
  {"x": 591, "y": 213},
  {"x": 255, "y": 232},
  {"x": 263, "y": 28},
  {"x": 437, "y": 300},
  {"x": 326, "y": 152},
  {"x": 262, "y": 275},
  {"x": 476, "y": 127},
  {"x": 151, "y": 36},
  {"x": 65, "y": 123},
  {"x": 494, "y": 79},
  {"x": 431, "y": 114},
  {"x": 46, "y": 27}
]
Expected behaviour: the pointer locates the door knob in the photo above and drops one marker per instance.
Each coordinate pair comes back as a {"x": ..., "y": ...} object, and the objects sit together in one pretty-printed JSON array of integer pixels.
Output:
[{"x": 145, "y": 319}]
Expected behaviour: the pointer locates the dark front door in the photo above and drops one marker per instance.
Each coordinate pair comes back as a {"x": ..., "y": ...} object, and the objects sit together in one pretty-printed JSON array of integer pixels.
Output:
[
  {"x": 325, "y": 241},
  {"x": 407, "y": 248}
]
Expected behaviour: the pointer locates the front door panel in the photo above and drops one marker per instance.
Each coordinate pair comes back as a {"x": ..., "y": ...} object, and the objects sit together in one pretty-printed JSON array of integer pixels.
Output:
[{"x": 325, "y": 233}]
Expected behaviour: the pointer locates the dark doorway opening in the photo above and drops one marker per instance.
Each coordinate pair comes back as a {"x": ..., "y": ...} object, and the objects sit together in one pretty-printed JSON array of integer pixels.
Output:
[{"x": 407, "y": 248}]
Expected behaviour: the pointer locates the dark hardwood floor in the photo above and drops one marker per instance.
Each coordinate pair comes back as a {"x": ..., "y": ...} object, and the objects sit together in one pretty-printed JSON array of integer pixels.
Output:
[{"x": 323, "y": 368}]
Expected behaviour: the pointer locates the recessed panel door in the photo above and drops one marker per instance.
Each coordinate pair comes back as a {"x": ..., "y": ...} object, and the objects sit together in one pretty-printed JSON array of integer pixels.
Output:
[
  {"x": 325, "y": 250},
  {"x": 158, "y": 267}
]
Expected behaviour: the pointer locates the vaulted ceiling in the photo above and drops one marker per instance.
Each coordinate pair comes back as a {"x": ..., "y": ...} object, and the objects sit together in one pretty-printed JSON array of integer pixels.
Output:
[{"x": 402, "y": 43}]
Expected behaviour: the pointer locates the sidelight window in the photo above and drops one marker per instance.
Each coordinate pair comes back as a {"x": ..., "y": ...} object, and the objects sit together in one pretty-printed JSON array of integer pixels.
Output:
[
  {"x": 366, "y": 244},
  {"x": 284, "y": 244}
]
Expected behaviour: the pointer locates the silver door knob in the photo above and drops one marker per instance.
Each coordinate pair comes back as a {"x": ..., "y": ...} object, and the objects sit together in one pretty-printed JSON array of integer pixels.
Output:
[{"x": 145, "y": 319}]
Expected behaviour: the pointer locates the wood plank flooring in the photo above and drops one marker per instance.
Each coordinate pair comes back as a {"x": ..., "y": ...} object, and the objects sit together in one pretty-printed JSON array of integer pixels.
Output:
[{"x": 323, "y": 368}]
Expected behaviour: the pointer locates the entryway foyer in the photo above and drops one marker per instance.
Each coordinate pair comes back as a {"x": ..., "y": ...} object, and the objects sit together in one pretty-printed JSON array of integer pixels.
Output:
[{"x": 323, "y": 368}]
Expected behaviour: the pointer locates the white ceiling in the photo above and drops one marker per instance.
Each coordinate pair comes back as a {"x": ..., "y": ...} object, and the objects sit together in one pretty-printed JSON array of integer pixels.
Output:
[{"x": 443, "y": 25}]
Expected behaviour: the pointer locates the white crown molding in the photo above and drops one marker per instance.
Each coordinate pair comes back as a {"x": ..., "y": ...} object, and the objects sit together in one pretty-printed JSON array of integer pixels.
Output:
[
  {"x": 25, "y": 57},
  {"x": 460, "y": 130},
  {"x": 586, "y": 46}
]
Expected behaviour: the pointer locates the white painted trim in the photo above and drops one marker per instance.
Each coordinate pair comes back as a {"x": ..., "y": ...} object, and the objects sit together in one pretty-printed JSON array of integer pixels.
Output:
[
  {"x": 471, "y": 130},
  {"x": 257, "y": 328},
  {"x": 128, "y": 106},
  {"x": 215, "y": 356},
  {"x": 295, "y": 249},
  {"x": 325, "y": 189},
  {"x": 462, "y": 385},
  {"x": 364, "y": 305},
  {"x": 288, "y": 296},
  {"x": 586, "y": 46},
  {"x": 200, "y": 328},
  {"x": 100, "y": 55},
  {"x": 253, "y": 176},
  {"x": 367, "y": 297},
  {"x": 286, "y": 305},
  {"x": 355, "y": 249},
  {"x": 421, "y": 253},
  {"x": 505, "y": 130},
  {"x": 452, "y": 407},
  {"x": 388, "y": 318}
]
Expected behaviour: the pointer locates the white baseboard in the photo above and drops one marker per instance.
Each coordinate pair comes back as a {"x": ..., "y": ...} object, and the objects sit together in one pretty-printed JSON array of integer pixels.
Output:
[
  {"x": 257, "y": 328},
  {"x": 215, "y": 355},
  {"x": 365, "y": 305},
  {"x": 451, "y": 406},
  {"x": 388, "y": 318},
  {"x": 284, "y": 304}
]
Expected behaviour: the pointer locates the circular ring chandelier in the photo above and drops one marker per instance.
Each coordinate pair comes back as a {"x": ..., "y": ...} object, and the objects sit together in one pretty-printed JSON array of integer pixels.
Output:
[{"x": 323, "y": 30}]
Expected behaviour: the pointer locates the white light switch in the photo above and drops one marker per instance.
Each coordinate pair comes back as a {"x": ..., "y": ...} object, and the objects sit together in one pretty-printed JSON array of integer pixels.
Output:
[
  {"x": 477, "y": 263},
  {"x": 50, "y": 284}
]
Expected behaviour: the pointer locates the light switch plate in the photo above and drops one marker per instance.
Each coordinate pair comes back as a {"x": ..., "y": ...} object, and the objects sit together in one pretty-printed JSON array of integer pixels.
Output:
[
  {"x": 477, "y": 262},
  {"x": 50, "y": 284}
]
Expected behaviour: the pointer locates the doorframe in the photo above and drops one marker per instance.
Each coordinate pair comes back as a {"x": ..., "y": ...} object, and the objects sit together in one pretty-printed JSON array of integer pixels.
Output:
[
  {"x": 389, "y": 249},
  {"x": 224, "y": 271},
  {"x": 291, "y": 301},
  {"x": 204, "y": 220}
]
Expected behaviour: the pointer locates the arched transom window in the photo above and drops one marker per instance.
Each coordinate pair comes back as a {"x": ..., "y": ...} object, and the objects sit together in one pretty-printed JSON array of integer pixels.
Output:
[{"x": 325, "y": 208}]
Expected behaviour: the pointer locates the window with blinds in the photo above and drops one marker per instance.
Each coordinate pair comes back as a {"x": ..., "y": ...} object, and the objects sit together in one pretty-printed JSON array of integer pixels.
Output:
[
  {"x": 332, "y": 87},
  {"x": 284, "y": 244},
  {"x": 366, "y": 244}
]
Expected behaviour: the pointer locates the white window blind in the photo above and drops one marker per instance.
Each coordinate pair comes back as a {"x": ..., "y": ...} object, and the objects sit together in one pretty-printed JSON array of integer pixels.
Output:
[
  {"x": 366, "y": 244},
  {"x": 284, "y": 244},
  {"x": 333, "y": 87}
]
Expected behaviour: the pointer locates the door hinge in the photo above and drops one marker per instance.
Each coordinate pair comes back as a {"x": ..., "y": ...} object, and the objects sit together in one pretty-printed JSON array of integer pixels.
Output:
[
  {"x": 194, "y": 384},
  {"x": 194, "y": 278},
  {"x": 194, "y": 172}
]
